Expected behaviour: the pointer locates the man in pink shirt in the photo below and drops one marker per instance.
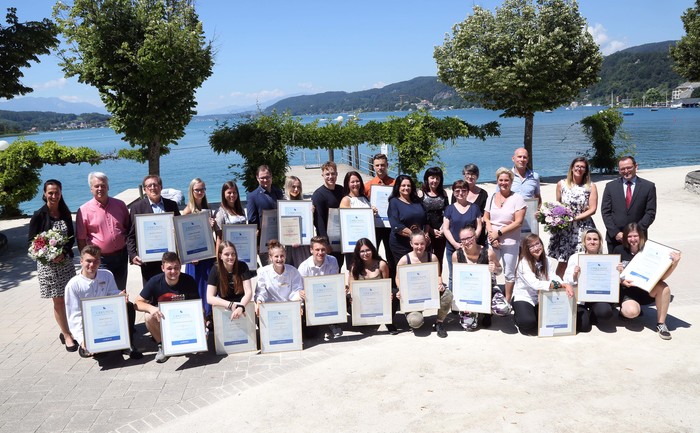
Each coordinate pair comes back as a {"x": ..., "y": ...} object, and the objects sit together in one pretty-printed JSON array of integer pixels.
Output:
[{"x": 104, "y": 222}]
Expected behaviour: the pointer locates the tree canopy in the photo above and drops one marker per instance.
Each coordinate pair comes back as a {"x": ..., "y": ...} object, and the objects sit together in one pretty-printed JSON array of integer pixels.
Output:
[
  {"x": 146, "y": 58},
  {"x": 686, "y": 53},
  {"x": 528, "y": 56},
  {"x": 21, "y": 43}
]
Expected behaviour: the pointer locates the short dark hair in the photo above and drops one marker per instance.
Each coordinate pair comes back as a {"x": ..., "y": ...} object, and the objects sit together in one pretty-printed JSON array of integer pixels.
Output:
[
  {"x": 320, "y": 240},
  {"x": 93, "y": 250},
  {"x": 380, "y": 156},
  {"x": 624, "y": 157},
  {"x": 170, "y": 257},
  {"x": 152, "y": 176}
]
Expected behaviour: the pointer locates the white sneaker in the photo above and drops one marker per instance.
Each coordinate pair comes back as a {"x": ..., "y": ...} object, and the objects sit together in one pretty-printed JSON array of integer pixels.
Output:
[{"x": 160, "y": 356}]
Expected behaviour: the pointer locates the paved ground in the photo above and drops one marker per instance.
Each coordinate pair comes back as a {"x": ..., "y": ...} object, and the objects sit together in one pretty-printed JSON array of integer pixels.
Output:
[{"x": 620, "y": 376}]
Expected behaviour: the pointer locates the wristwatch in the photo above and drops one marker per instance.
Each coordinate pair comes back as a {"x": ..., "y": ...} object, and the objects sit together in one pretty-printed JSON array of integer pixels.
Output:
[{"x": 500, "y": 233}]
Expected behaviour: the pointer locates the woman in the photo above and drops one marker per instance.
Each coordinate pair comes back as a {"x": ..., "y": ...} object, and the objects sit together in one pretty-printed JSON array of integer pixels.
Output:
[
  {"x": 535, "y": 272},
  {"x": 230, "y": 211},
  {"x": 229, "y": 281},
  {"x": 296, "y": 254},
  {"x": 405, "y": 215},
  {"x": 435, "y": 201},
  {"x": 367, "y": 264},
  {"x": 632, "y": 297},
  {"x": 581, "y": 196},
  {"x": 458, "y": 215},
  {"x": 420, "y": 254},
  {"x": 504, "y": 215},
  {"x": 54, "y": 276},
  {"x": 471, "y": 252},
  {"x": 477, "y": 196},
  {"x": 277, "y": 282},
  {"x": 355, "y": 197},
  {"x": 199, "y": 270}
]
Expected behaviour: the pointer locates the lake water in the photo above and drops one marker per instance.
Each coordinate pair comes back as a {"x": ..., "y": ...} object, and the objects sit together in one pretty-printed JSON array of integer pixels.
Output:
[{"x": 662, "y": 138}]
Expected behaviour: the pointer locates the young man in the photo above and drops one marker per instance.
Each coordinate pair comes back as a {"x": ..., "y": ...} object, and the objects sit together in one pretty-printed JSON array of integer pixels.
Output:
[
  {"x": 327, "y": 196},
  {"x": 526, "y": 182},
  {"x": 166, "y": 286},
  {"x": 320, "y": 263},
  {"x": 93, "y": 282},
  {"x": 380, "y": 163}
]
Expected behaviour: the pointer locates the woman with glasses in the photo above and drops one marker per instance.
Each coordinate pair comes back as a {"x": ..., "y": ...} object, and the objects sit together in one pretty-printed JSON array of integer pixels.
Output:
[
  {"x": 475, "y": 195},
  {"x": 296, "y": 254},
  {"x": 458, "y": 215}
]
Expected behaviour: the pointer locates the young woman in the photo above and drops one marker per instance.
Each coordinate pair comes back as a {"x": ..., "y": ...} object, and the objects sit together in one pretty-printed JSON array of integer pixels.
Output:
[
  {"x": 632, "y": 297},
  {"x": 367, "y": 264},
  {"x": 405, "y": 215},
  {"x": 296, "y": 254},
  {"x": 230, "y": 211},
  {"x": 475, "y": 195},
  {"x": 434, "y": 202},
  {"x": 229, "y": 281},
  {"x": 278, "y": 281},
  {"x": 535, "y": 272},
  {"x": 458, "y": 215},
  {"x": 355, "y": 197}
]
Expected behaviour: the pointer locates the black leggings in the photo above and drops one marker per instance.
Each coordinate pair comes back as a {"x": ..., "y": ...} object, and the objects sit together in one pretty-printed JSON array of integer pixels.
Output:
[{"x": 526, "y": 316}]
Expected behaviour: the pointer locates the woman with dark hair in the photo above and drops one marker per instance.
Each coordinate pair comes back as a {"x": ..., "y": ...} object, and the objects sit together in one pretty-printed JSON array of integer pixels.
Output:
[
  {"x": 54, "y": 276},
  {"x": 458, "y": 215},
  {"x": 230, "y": 211},
  {"x": 475, "y": 195},
  {"x": 581, "y": 196},
  {"x": 355, "y": 197},
  {"x": 405, "y": 215},
  {"x": 296, "y": 254},
  {"x": 229, "y": 281},
  {"x": 434, "y": 202}
]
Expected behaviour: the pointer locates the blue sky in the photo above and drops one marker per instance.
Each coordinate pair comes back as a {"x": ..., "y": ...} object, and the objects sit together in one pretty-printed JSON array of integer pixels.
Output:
[{"x": 271, "y": 49}]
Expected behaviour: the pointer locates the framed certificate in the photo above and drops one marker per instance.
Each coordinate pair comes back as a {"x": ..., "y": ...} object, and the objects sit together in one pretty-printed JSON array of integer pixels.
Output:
[
  {"x": 371, "y": 302},
  {"x": 379, "y": 198},
  {"x": 234, "y": 336},
  {"x": 105, "y": 323},
  {"x": 195, "y": 238},
  {"x": 530, "y": 224},
  {"x": 155, "y": 235},
  {"x": 599, "y": 280},
  {"x": 333, "y": 228},
  {"x": 471, "y": 287},
  {"x": 289, "y": 228},
  {"x": 182, "y": 327},
  {"x": 649, "y": 265},
  {"x": 419, "y": 286},
  {"x": 268, "y": 228},
  {"x": 557, "y": 314},
  {"x": 356, "y": 223},
  {"x": 280, "y": 326},
  {"x": 243, "y": 236},
  {"x": 326, "y": 302},
  {"x": 302, "y": 209}
]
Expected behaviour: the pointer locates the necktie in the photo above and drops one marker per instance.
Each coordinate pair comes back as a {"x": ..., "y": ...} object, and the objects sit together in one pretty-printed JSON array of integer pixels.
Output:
[{"x": 628, "y": 195}]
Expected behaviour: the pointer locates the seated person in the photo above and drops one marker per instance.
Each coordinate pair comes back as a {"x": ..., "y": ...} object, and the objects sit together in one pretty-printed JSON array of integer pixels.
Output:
[
  {"x": 229, "y": 281},
  {"x": 171, "y": 285},
  {"x": 277, "y": 282},
  {"x": 93, "y": 282}
]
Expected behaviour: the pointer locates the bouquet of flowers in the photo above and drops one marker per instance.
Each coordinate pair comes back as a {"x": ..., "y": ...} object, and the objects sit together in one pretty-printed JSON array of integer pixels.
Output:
[
  {"x": 46, "y": 246},
  {"x": 555, "y": 216}
]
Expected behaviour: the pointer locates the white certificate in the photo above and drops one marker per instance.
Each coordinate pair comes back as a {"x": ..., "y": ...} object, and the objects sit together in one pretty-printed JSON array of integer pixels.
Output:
[
  {"x": 105, "y": 323},
  {"x": 268, "y": 228},
  {"x": 155, "y": 235},
  {"x": 234, "y": 336},
  {"x": 301, "y": 208},
  {"x": 243, "y": 236},
  {"x": 649, "y": 265},
  {"x": 419, "y": 286},
  {"x": 195, "y": 238},
  {"x": 599, "y": 280},
  {"x": 333, "y": 228},
  {"x": 557, "y": 314},
  {"x": 182, "y": 327},
  {"x": 289, "y": 230},
  {"x": 356, "y": 223},
  {"x": 326, "y": 302},
  {"x": 371, "y": 302},
  {"x": 471, "y": 287},
  {"x": 379, "y": 198},
  {"x": 530, "y": 224},
  {"x": 280, "y": 326}
]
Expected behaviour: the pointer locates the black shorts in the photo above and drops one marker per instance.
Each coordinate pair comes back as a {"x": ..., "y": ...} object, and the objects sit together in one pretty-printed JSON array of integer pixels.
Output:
[{"x": 636, "y": 294}]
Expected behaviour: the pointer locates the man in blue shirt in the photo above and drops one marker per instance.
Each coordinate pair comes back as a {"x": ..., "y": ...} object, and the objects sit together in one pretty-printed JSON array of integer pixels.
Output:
[{"x": 526, "y": 182}]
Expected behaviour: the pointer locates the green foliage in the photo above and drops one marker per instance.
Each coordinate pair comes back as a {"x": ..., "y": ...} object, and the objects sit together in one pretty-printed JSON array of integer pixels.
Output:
[
  {"x": 601, "y": 129},
  {"x": 146, "y": 58},
  {"x": 46, "y": 120},
  {"x": 686, "y": 54},
  {"x": 528, "y": 56},
  {"x": 20, "y": 167},
  {"x": 21, "y": 43},
  {"x": 652, "y": 96}
]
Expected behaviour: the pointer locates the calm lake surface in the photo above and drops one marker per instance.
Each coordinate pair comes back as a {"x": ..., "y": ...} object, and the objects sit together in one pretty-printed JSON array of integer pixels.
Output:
[{"x": 662, "y": 138}]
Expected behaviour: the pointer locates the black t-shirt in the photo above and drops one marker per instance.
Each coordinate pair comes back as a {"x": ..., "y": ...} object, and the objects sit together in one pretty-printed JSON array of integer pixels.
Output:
[
  {"x": 156, "y": 287},
  {"x": 214, "y": 281}
]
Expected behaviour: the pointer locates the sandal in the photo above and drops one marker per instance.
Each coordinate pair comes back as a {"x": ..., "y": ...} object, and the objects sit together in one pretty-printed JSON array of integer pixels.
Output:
[{"x": 84, "y": 353}]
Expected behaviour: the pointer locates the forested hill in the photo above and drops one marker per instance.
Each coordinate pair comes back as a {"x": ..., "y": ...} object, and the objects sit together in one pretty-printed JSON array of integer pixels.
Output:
[
  {"x": 14, "y": 122},
  {"x": 626, "y": 74}
]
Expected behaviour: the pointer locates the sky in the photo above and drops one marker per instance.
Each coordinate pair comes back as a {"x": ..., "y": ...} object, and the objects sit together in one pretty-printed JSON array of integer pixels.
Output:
[{"x": 271, "y": 49}]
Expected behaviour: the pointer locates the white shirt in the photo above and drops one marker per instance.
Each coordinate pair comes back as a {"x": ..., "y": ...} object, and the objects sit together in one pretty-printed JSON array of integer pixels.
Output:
[
  {"x": 309, "y": 269},
  {"x": 81, "y": 287},
  {"x": 273, "y": 287},
  {"x": 527, "y": 284}
]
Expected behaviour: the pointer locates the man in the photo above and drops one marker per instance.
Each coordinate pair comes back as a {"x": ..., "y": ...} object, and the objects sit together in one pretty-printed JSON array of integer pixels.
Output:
[
  {"x": 167, "y": 286},
  {"x": 525, "y": 182},
  {"x": 320, "y": 263},
  {"x": 152, "y": 203},
  {"x": 380, "y": 163},
  {"x": 264, "y": 197},
  {"x": 104, "y": 222},
  {"x": 93, "y": 282},
  {"x": 630, "y": 199},
  {"x": 327, "y": 196}
]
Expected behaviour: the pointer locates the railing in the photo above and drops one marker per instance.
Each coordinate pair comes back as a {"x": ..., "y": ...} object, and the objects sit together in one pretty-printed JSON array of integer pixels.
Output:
[{"x": 362, "y": 162}]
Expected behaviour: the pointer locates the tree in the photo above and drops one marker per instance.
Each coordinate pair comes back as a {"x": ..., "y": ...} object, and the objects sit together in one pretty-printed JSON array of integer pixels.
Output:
[
  {"x": 653, "y": 96},
  {"x": 529, "y": 56},
  {"x": 601, "y": 129},
  {"x": 21, "y": 43},
  {"x": 146, "y": 58},
  {"x": 686, "y": 53}
]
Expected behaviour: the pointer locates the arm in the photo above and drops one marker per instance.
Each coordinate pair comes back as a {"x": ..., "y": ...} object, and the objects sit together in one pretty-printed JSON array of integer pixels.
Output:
[
  {"x": 448, "y": 235},
  {"x": 675, "y": 258},
  {"x": 572, "y": 270},
  {"x": 142, "y": 304},
  {"x": 384, "y": 269},
  {"x": 345, "y": 202},
  {"x": 497, "y": 268},
  {"x": 397, "y": 226},
  {"x": 650, "y": 209},
  {"x": 80, "y": 230},
  {"x": 73, "y": 312},
  {"x": 320, "y": 212},
  {"x": 518, "y": 218},
  {"x": 592, "y": 205},
  {"x": 525, "y": 274},
  {"x": 131, "y": 236},
  {"x": 558, "y": 192}
]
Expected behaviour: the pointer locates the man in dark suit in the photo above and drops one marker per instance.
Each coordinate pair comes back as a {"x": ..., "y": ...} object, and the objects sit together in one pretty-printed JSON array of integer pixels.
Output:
[
  {"x": 630, "y": 199},
  {"x": 152, "y": 203}
]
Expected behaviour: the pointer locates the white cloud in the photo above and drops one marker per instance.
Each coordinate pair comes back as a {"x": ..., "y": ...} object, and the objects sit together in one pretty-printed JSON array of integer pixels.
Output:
[
  {"x": 260, "y": 96},
  {"x": 607, "y": 45},
  {"x": 307, "y": 86},
  {"x": 51, "y": 84},
  {"x": 378, "y": 85}
]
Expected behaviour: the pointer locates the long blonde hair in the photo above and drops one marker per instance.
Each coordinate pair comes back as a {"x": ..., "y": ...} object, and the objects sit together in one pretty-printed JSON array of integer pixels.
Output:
[{"x": 192, "y": 204}]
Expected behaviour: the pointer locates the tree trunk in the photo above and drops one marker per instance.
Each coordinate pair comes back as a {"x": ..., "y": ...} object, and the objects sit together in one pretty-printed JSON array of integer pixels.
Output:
[
  {"x": 154, "y": 158},
  {"x": 529, "y": 122}
]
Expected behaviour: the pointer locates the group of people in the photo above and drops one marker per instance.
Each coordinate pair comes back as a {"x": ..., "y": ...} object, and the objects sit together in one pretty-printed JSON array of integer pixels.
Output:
[{"x": 424, "y": 226}]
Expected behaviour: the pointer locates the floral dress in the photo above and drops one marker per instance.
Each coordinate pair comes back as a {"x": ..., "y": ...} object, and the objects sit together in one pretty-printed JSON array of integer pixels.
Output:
[
  {"x": 564, "y": 243},
  {"x": 53, "y": 277}
]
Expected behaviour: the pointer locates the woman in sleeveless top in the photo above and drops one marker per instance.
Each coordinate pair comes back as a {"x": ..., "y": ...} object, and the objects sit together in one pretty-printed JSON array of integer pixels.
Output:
[
  {"x": 367, "y": 264},
  {"x": 355, "y": 197}
]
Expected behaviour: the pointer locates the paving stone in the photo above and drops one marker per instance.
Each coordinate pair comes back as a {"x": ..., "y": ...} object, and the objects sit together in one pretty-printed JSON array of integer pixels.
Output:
[{"x": 82, "y": 420}]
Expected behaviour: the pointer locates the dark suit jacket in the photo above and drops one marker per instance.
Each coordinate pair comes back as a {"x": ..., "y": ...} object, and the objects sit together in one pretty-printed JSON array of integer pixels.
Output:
[
  {"x": 144, "y": 206},
  {"x": 615, "y": 213}
]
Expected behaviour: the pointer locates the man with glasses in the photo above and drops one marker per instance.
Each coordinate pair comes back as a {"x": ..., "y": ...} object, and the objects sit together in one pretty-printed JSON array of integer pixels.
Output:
[
  {"x": 630, "y": 199},
  {"x": 264, "y": 197},
  {"x": 152, "y": 203}
]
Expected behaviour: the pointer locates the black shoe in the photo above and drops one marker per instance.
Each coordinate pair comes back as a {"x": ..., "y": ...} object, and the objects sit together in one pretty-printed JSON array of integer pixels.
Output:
[
  {"x": 392, "y": 329},
  {"x": 133, "y": 353},
  {"x": 486, "y": 321},
  {"x": 440, "y": 329},
  {"x": 84, "y": 353}
]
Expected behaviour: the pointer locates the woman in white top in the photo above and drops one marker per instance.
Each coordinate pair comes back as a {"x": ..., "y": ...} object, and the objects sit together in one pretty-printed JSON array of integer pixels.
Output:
[
  {"x": 277, "y": 282},
  {"x": 355, "y": 197},
  {"x": 230, "y": 211},
  {"x": 296, "y": 254}
]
